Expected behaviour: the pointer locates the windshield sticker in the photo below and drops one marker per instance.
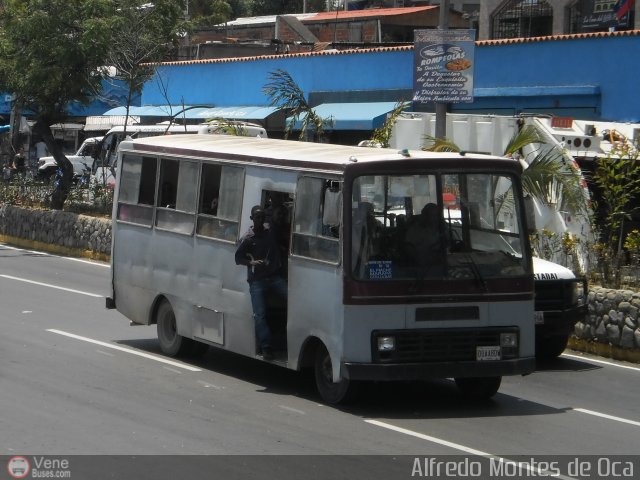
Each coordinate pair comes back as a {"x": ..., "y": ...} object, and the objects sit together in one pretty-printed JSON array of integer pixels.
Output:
[{"x": 380, "y": 270}]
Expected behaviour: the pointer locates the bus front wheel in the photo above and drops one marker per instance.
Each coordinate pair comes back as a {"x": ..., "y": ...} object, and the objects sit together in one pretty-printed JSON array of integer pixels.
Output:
[
  {"x": 171, "y": 342},
  {"x": 479, "y": 388},
  {"x": 330, "y": 391}
]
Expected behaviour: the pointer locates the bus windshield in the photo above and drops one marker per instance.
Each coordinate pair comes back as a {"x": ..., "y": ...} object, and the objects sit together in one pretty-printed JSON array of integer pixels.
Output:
[{"x": 436, "y": 226}]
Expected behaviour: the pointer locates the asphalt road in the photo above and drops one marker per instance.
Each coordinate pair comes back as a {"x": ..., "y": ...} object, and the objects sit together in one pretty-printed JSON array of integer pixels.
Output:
[{"x": 76, "y": 379}]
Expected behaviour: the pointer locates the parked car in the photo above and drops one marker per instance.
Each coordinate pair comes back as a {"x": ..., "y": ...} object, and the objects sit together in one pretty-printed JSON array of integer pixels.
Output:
[{"x": 81, "y": 161}]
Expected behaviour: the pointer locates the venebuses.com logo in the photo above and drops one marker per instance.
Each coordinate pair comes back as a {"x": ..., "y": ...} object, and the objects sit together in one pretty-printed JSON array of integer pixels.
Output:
[
  {"x": 38, "y": 467},
  {"x": 18, "y": 467}
]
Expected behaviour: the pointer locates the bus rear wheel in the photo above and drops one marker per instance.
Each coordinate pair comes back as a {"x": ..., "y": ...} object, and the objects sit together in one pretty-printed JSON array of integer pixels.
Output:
[
  {"x": 331, "y": 392},
  {"x": 479, "y": 388},
  {"x": 171, "y": 342}
]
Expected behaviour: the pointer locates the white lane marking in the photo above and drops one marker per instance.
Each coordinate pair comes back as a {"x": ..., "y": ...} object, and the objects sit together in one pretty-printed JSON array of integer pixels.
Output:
[
  {"x": 603, "y": 362},
  {"x": 608, "y": 417},
  {"x": 9, "y": 277},
  {"x": 462, "y": 448},
  {"x": 45, "y": 254},
  {"x": 294, "y": 410},
  {"x": 126, "y": 350},
  {"x": 429, "y": 438}
]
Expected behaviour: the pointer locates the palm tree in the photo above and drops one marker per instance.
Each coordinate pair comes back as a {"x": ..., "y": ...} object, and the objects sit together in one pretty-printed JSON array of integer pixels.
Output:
[
  {"x": 382, "y": 135},
  {"x": 550, "y": 177},
  {"x": 288, "y": 96}
]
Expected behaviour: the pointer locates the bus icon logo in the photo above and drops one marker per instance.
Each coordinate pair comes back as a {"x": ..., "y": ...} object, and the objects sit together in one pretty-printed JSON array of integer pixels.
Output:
[{"x": 18, "y": 467}]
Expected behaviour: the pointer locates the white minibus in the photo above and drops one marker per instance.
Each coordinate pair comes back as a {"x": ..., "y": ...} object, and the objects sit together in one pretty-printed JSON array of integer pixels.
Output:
[{"x": 374, "y": 294}]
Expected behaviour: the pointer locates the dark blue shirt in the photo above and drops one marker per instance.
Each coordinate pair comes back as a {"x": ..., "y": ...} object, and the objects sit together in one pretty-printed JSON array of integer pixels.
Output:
[{"x": 261, "y": 245}]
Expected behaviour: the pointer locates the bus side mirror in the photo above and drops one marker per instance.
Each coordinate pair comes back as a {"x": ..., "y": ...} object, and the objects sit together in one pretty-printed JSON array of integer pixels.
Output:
[{"x": 530, "y": 214}]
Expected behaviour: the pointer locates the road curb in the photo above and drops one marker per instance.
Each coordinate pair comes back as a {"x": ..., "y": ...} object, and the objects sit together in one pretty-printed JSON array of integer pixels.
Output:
[
  {"x": 604, "y": 350},
  {"x": 51, "y": 248}
]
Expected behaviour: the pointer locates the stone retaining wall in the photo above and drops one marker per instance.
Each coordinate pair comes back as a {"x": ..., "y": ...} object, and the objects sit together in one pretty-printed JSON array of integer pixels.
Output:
[
  {"x": 65, "y": 232},
  {"x": 612, "y": 320}
]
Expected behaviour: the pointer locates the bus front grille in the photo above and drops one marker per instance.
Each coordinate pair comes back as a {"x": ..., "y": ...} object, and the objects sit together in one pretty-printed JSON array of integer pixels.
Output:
[{"x": 440, "y": 345}]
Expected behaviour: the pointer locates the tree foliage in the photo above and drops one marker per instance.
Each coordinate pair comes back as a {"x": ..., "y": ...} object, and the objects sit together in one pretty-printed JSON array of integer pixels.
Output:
[
  {"x": 276, "y": 7},
  {"x": 617, "y": 176},
  {"x": 50, "y": 54},
  {"x": 53, "y": 53},
  {"x": 212, "y": 12},
  {"x": 143, "y": 36}
]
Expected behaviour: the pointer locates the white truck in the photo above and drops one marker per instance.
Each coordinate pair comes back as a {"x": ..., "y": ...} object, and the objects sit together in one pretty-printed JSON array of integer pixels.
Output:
[
  {"x": 561, "y": 297},
  {"x": 81, "y": 161},
  {"x": 561, "y": 301}
]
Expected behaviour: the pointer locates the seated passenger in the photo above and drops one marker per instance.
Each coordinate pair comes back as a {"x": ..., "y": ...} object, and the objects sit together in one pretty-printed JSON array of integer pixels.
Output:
[{"x": 424, "y": 236}]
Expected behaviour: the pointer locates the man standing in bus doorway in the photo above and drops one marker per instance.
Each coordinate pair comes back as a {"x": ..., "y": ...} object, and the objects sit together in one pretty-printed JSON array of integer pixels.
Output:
[{"x": 260, "y": 252}]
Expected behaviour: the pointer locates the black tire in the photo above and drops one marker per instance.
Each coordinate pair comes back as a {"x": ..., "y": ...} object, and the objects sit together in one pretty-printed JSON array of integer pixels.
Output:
[
  {"x": 171, "y": 343},
  {"x": 479, "y": 388},
  {"x": 551, "y": 347},
  {"x": 332, "y": 393}
]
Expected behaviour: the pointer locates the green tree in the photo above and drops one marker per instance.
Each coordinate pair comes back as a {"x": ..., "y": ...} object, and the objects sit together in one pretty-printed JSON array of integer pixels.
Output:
[
  {"x": 617, "y": 177},
  {"x": 50, "y": 54},
  {"x": 276, "y": 7},
  {"x": 143, "y": 34},
  {"x": 53, "y": 53},
  {"x": 211, "y": 12}
]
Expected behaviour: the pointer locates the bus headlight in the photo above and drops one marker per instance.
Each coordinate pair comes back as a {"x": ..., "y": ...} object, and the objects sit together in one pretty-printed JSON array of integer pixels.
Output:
[
  {"x": 386, "y": 344},
  {"x": 508, "y": 340}
]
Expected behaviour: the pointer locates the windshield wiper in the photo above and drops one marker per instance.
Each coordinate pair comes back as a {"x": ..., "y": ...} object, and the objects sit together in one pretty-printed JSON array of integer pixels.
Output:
[{"x": 476, "y": 271}]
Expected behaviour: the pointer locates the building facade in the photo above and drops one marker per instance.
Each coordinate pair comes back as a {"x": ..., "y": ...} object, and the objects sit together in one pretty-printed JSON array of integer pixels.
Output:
[{"x": 368, "y": 82}]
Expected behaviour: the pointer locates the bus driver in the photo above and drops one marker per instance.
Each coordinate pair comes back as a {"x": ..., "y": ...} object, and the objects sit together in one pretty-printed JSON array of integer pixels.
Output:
[{"x": 260, "y": 252}]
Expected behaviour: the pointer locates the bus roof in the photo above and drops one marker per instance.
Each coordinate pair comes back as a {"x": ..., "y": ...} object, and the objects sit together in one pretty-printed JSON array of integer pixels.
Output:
[{"x": 286, "y": 152}]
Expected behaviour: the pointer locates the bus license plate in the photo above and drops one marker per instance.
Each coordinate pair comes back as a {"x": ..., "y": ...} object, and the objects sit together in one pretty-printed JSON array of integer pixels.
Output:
[
  {"x": 539, "y": 317},
  {"x": 488, "y": 353}
]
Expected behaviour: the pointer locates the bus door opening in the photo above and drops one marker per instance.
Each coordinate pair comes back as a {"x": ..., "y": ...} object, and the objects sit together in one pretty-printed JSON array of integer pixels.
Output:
[{"x": 278, "y": 207}]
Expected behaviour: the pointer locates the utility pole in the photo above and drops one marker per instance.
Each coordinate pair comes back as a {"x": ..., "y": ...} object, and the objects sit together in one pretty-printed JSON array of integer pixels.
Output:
[{"x": 441, "y": 108}]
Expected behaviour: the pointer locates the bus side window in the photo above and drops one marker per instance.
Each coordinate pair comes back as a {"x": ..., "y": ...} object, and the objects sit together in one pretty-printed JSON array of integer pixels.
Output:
[
  {"x": 317, "y": 220},
  {"x": 220, "y": 205},
  {"x": 177, "y": 195},
  {"x": 137, "y": 190}
]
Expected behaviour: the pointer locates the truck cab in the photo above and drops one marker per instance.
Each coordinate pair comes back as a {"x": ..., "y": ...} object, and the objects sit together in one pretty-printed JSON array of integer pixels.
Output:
[{"x": 81, "y": 161}]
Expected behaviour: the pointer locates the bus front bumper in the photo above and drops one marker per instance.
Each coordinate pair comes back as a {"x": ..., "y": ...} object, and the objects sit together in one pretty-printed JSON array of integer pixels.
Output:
[{"x": 425, "y": 371}]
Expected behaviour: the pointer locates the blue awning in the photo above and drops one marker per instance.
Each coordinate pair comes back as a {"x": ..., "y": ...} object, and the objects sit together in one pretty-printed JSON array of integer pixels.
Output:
[
  {"x": 148, "y": 110},
  {"x": 352, "y": 116}
]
